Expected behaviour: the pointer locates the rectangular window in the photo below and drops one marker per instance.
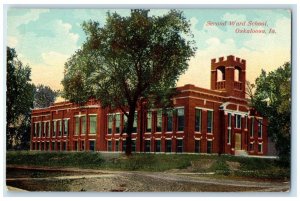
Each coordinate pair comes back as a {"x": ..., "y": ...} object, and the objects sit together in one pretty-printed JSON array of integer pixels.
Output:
[
  {"x": 149, "y": 121},
  {"x": 40, "y": 129},
  {"x": 246, "y": 122},
  {"x": 48, "y": 146},
  {"x": 260, "y": 128},
  {"x": 66, "y": 127},
  {"x": 60, "y": 127},
  {"x": 93, "y": 124},
  {"x": 125, "y": 122},
  {"x": 124, "y": 145},
  {"x": 44, "y": 128},
  {"x": 38, "y": 146},
  {"x": 53, "y": 146},
  {"x": 42, "y": 146},
  {"x": 133, "y": 145},
  {"x": 54, "y": 128},
  {"x": 179, "y": 145},
  {"x": 197, "y": 146},
  {"x": 252, "y": 127},
  {"x": 118, "y": 123},
  {"x": 158, "y": 121},
  {"x": 77, "y": 125},
  {"x": 198, "y": 113},
  {"x": 58, "y": 146},
  {"x": 237, "y": 121},
  {"x": 48, "y": 129},
  {"x": 65, "y": 145},
  {"x": 251, "y": 148},
  {"x": 117, "y": 145},
  {"x": 92, "y": 145},
  {"x": 147, "y": 145},
  {"x": 82, "y": 148},
  {"x": 168, "y": 146},
  {"x": 83, "y": 125},
  {"x": 134, "y": 129},
  {"x": 209, "y": 147},
  {"x": 180, "y": 119},
  {"x": 157, "y": 146},
  {"x": 109, "y": 145},
  {"x": 75, "y": 146},
  {"x": 229, "y": 120},
  {"x": 209, "y": 121},
  {"x": 229, "y": 136},
  {"x": 35, "y": 130},
  {"x": 260, "y": 148},
  {"x": 110, "y": 123},
  {"x": 169, "y": 120}
]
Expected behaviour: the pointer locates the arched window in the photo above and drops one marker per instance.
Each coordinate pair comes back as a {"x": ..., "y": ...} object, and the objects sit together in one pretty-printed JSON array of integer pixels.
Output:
[
  {"x": 220, "y": 73},
  {"x": 237, "y": 74}
]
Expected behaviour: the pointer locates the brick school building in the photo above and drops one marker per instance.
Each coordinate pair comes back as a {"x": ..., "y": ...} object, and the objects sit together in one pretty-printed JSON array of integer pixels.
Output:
[{"x": 216, "y": 120}]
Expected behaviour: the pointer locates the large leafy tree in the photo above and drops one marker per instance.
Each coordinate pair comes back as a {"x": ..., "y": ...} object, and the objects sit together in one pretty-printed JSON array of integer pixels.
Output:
[
  {"x": 19, "y": 102},
  {"x": 44, "y": 96},
  {"x": 272, "y": 98},
  {"x": 128, "y": 60}
]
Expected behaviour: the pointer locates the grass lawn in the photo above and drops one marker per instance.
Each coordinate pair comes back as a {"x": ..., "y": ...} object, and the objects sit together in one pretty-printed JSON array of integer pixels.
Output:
[{"x": 223, "y": 165}]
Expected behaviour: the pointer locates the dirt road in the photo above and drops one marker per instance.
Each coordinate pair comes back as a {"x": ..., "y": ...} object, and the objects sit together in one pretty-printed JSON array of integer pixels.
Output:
[{"x": 130, "y": 181}]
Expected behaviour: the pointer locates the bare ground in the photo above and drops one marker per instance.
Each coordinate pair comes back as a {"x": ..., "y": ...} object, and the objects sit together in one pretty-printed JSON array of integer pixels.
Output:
[{"x": 132, "y": 181}]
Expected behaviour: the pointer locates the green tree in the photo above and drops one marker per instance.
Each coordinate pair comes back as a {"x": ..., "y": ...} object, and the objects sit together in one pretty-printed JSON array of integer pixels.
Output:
[
  {"x": 272, "y": 98},
  {"x": 19, "y": 102},
  {"x": 128, "y": 60},
  {"x": 44, "y": 96}
]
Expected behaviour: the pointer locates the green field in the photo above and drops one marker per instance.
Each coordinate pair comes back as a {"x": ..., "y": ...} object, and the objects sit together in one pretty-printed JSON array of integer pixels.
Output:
[{"x": 223, "y": 165}]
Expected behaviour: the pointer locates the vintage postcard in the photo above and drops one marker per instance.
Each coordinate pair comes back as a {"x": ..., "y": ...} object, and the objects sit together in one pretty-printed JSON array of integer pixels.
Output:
[{"x": 148, "y": 100}]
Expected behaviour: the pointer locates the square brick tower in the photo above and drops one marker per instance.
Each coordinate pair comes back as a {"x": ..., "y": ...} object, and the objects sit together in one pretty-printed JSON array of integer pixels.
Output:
[{"x": 229, "y": 76}]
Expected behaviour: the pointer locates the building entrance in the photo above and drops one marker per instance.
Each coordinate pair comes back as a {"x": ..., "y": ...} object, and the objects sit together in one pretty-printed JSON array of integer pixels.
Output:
[{"x": 238, "y": 141}]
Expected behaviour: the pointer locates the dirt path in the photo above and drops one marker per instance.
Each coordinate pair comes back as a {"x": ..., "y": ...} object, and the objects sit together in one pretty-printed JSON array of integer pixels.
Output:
[{"x": 129, "y": 181}]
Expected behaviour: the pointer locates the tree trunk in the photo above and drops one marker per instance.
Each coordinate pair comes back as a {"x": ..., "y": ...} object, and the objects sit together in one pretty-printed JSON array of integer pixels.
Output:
[{"x": 129, "y": 129}]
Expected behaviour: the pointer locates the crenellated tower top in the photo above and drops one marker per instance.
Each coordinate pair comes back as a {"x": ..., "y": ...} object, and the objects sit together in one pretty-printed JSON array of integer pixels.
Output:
[{"x": 229, "y": 75}]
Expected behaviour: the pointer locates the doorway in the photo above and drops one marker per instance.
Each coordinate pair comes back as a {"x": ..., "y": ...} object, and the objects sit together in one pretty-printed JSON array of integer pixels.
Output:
[{"x": 238, "y": 141}]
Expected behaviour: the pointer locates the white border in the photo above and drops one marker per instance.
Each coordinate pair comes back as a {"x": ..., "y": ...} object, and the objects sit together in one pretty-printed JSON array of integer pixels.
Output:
[{"x": 169, "y": 3}]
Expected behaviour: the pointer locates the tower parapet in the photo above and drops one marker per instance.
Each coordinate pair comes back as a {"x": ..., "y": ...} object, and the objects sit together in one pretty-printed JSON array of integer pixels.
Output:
[{"x": 229, "y": 75}]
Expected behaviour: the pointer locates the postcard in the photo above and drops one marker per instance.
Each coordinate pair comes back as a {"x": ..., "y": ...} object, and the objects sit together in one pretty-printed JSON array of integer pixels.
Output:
[{"x": 148, "y": 100}]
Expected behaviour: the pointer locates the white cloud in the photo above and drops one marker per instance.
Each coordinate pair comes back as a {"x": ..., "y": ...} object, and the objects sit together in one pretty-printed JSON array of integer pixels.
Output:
[
  {"x": 32, "y": 15},
  {"x": 15, "y": 21},
  {"x": 54, "y": 58},
  {"x": 233, "y": 17},
  {"x": 64, "y": 29},
  {"x": 50, "y": 70}
]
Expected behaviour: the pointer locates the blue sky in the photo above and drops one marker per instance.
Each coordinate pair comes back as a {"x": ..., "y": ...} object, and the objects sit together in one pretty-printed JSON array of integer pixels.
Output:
[{"x": 45, "y": 38}]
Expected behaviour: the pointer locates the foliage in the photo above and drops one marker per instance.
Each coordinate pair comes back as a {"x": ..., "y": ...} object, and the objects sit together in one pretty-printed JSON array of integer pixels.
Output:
[
  {"x": 249, "y": 167},
  {"x": 19, "y": 102},
  {"x": 128, "y": 60},
  {"x": 44, "y": 96},
  {"x": 272, "y": 98},
  {"x": 220, "y": 167}
]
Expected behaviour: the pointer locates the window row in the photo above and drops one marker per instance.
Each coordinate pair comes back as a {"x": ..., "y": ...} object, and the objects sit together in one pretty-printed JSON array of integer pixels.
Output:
[
  {"x": 63, "y": 146},
  {"x": 209, "y": 146},
  {"x": 198, "y": 121},
  {"x": 61, "y": 127},
  {"x": 259, "y": 147},
  {"x": 42, "y": 129},
  {"x": 117, "y": 123},
  {"x": 146, "y": 146}
]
